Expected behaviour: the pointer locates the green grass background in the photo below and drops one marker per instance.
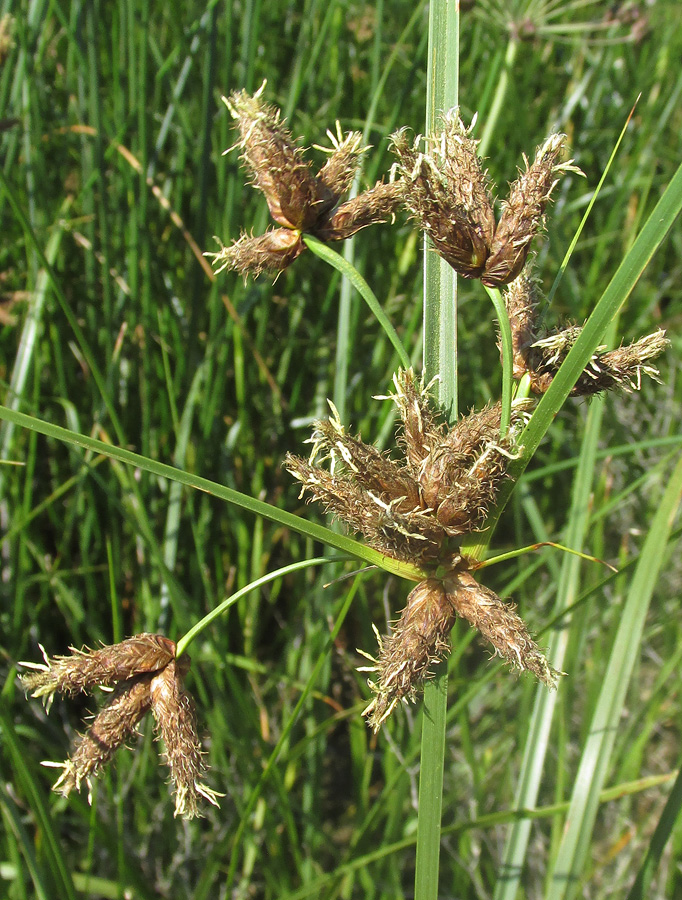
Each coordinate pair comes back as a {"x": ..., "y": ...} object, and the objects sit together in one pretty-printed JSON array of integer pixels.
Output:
[{"x": 120, "y": 131}]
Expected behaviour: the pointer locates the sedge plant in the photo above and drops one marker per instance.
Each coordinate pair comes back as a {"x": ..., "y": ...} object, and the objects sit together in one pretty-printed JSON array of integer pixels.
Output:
[
  {"x": 422, "y": 511},
  {"x": 419, "y": 510}
]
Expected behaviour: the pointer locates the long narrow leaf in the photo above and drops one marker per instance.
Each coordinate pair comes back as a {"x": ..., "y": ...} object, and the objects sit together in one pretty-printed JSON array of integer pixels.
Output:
[
  {"x": 258, "y": 507},
  {"x": 596, "y": 755}
]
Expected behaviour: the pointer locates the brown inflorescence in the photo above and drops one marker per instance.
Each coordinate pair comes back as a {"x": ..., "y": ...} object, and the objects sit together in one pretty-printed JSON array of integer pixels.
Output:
[
  {"x": 145, "y": 675},
  {"x": 446, "y": 191},
  {"x": 415, "y": 509},
  {"x": 409, "y": 508},
  {"x": 300, "y": 201},
  {"x": 539, "y": 354},
  {"x": 173, "y": 710},
  {"x": 418, "y": 639},
  {"x": 113, "y": 725},
  {"x": 499, "y": 624}
]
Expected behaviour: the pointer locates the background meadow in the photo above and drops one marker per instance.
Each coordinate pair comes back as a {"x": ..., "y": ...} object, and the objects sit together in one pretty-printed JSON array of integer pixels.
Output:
[{"x": 112, "y": 161}]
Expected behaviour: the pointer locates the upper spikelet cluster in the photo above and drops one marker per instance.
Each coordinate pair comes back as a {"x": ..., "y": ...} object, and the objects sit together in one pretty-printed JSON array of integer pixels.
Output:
[
  {"x": 145, "y": 675},
  {"x": 446, "y": 191},
  {"x": 300, "y": 201}
]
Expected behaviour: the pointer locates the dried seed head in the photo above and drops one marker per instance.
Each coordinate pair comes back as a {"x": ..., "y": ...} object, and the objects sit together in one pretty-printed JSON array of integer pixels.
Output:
[
  {"x": 409, "y": 508},
  {"x": 295, "y": 197},
  {"x": 446, "y": 192},
  {"x": 607, "y": 370},
  {"x": 499, "y": 624},
  {"x": 298, "y": 200},
  {"x": 421, "y": 432},
  {"x": 338, "y": 172},
  {"x": 112, "y": 726},
  {"x": 418, "y": 639},
  {"x": 380, "y": 474},
  {"x": 522, "y": 212},
  {"x": 146, "y": 675},
  {"x": 460, "y": 477},
  {"x": 388, "y": 525},
  {"x": 87, "y": 669},
  {"x": 173, "y": 710},
  {"x": 269, "y": 252}
]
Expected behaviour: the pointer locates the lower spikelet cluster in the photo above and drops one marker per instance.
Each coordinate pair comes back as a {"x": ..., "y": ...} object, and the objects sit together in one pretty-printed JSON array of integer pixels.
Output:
[
  {"x": 143, "y": 674},
  {"x": 416, "y": 509}
]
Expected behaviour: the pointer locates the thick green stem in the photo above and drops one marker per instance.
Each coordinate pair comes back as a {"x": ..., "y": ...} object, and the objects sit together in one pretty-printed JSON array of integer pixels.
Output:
[{"x": 440, "y": 359}]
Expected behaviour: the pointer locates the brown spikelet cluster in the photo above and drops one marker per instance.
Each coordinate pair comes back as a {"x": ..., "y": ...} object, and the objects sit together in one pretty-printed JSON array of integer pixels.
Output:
[
  {"x": 415, "y": 509},
  {"x": 540, "y": 355},
  {"x": 409, "y": 508},
  {"x": 299, "y": 200},
  {"x": 145, "y": 675},
  {"x": 446, "y": 191}
]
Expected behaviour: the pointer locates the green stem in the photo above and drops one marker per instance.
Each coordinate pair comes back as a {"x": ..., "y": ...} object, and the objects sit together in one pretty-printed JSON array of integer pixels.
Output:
[
  {"x": 351, "y": 273},
  {"x": 507, "y": 357},
  {"x": 440, "y": 359},
  {"x": 196, "y": 629}
]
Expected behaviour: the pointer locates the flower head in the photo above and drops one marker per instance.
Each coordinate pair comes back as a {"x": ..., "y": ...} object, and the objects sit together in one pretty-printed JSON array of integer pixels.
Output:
[
  {"x": 145, "y": 675},
  {"x": 446, "y": 191},
  {"x": 415, "y": 509},
  {"x": 299, "y": 200}
]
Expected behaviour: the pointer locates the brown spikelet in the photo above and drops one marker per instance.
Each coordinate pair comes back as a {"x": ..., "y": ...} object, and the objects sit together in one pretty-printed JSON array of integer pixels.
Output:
[
  {"x": 498, "y": 624},
  {"x": 446, "y": 192},
  {"x": 295, "y": 197},
  {"x": 418, "y": 639},
  {"x": 338, "y": 172},
  {"x": 421, "y": 432},
  {"x": 461, "y": 475},
  {"x": 173, "y": 710},
  {"x": 621, "y": 368},
  {"x": 521, "y": 302},
  {"x": 376, "y": 205},
  {"x": 522, "y": 212},
  {"x": 86, "y": 669},
  {"x": 379, "y": 473},
  {"x": 113, "y": 725},
  {"x": 269, "y": 252}
]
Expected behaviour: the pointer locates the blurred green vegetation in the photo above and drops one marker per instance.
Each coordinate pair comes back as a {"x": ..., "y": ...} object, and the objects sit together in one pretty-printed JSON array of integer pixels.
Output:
[{"x": 120, "y": 131}]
